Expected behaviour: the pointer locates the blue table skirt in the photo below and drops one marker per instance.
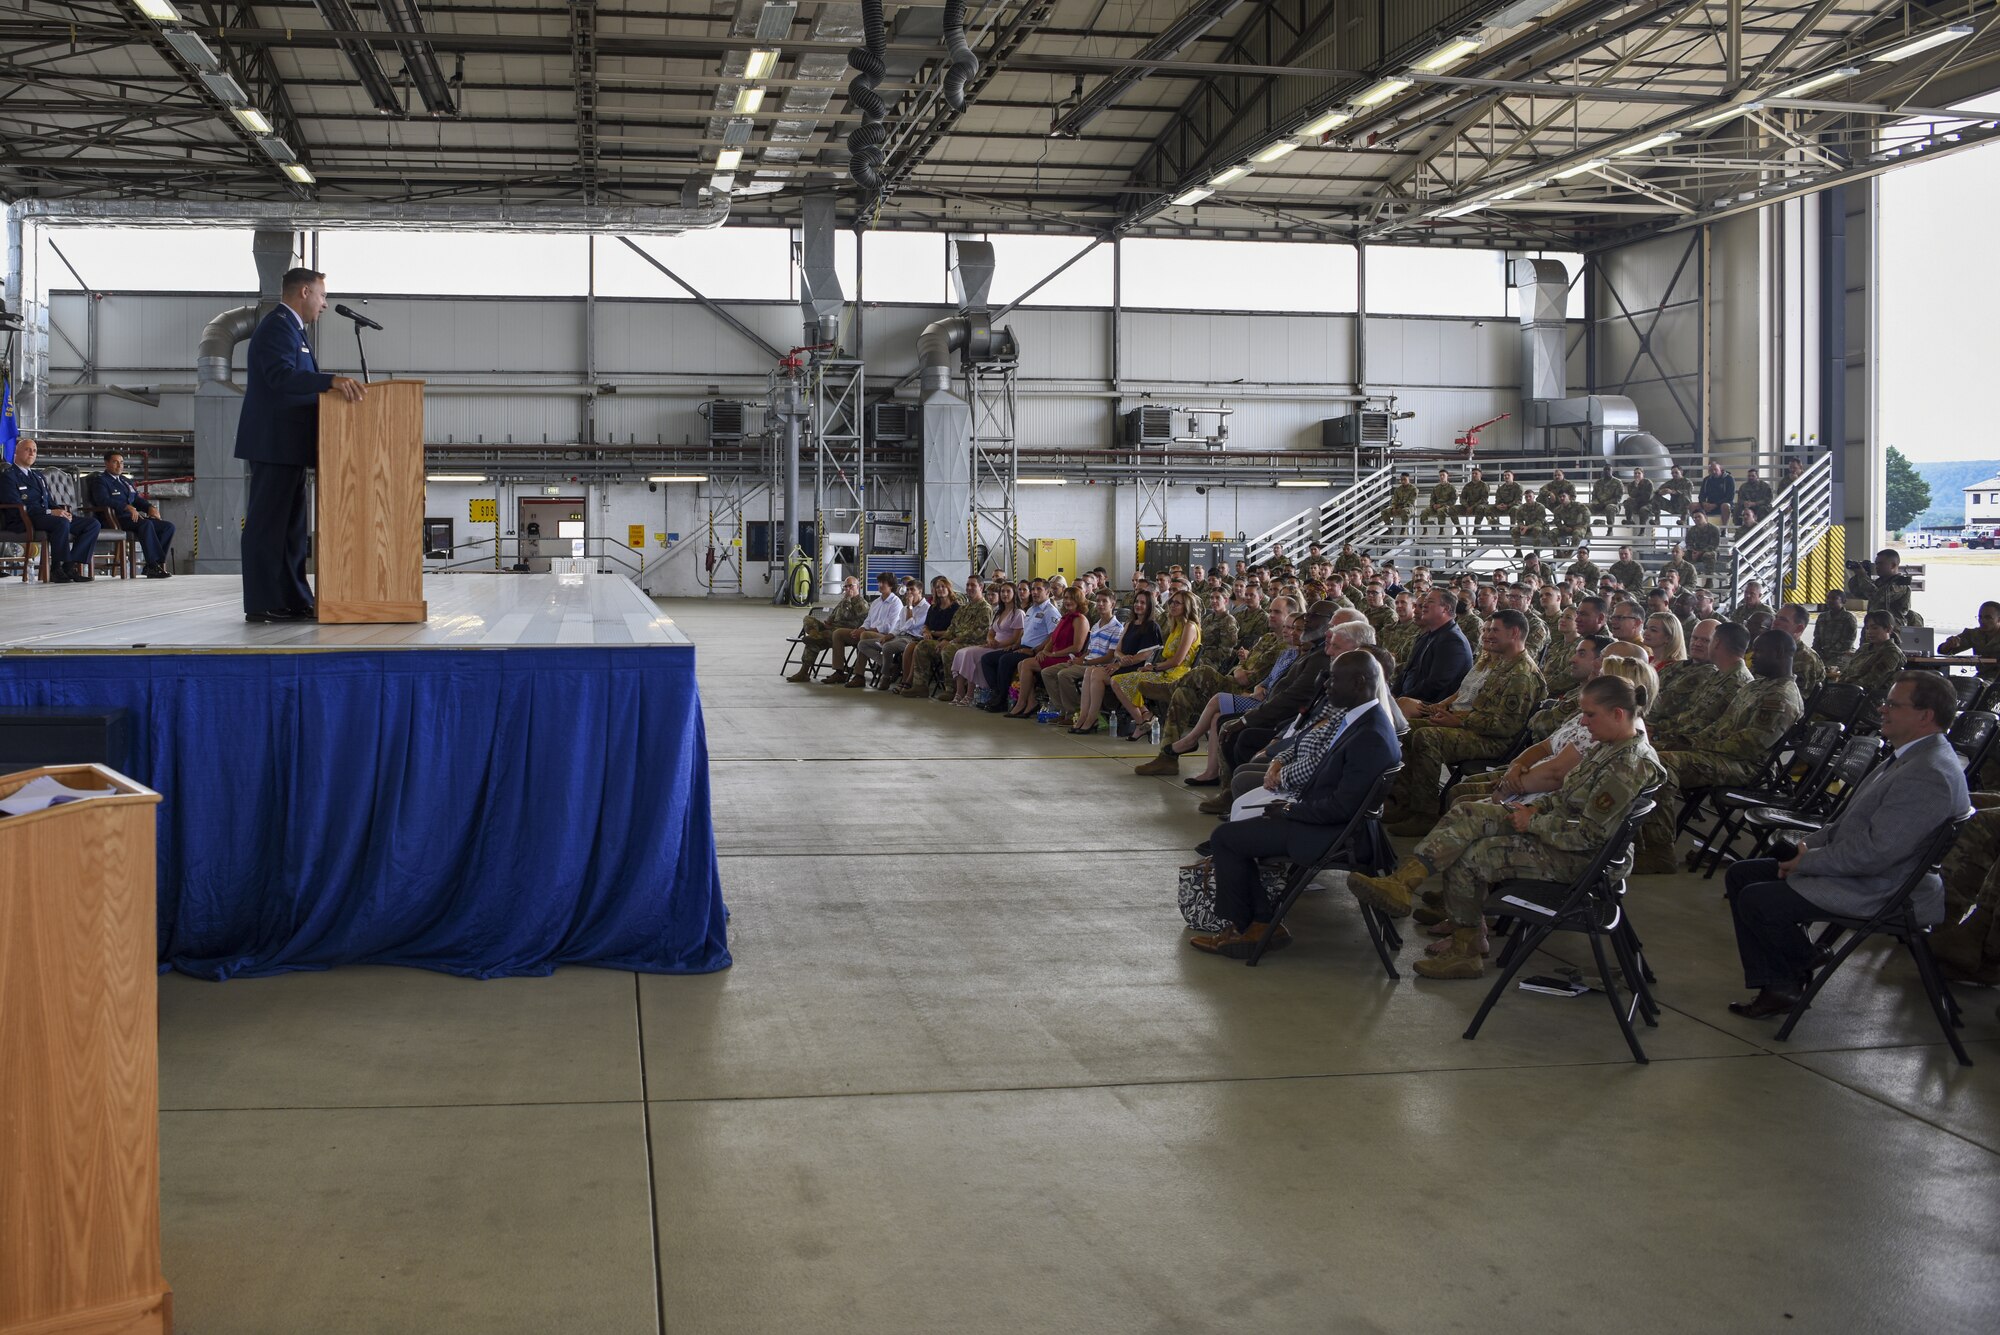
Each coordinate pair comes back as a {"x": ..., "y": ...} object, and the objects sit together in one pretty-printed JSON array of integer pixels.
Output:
[{"x": 486, "y": 813}]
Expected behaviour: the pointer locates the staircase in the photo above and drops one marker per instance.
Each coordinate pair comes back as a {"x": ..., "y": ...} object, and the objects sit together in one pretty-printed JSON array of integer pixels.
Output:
[
  {"x": 1351, "y": 515},
  {"x": 1796, "y": 552}
]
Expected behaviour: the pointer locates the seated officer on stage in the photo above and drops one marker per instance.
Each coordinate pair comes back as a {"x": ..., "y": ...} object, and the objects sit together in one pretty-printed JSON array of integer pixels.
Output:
[
  {"x": 112, "y": 490},
  {"x": 70, "y": 538}
]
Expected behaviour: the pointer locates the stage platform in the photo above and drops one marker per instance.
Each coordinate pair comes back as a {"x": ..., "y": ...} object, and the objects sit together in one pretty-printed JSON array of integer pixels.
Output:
[
  {"x": 518, "y": 783},
  {"x": 197, "y": 612}
]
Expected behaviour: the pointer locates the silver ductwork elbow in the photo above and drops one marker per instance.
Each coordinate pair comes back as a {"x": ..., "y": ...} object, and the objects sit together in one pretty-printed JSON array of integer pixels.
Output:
[
  {"x": 216, "y": 356},
  {"x": 940, "y": 339}
]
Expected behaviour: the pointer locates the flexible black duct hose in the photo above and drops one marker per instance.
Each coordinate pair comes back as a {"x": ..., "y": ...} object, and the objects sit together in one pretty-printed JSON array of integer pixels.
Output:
[
  {"x": 864, "y": 144},
  {"x": 964, "y": 66}
]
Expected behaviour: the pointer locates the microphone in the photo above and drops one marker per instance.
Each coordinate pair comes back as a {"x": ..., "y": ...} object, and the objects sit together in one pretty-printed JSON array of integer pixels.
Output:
[{"x": 357, "y": 317}]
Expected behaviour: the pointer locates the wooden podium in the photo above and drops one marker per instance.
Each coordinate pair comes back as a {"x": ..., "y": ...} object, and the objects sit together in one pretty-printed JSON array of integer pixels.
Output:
[
  {"x": 80, "y": 1064},
  {"x": 369, "y": 544}
]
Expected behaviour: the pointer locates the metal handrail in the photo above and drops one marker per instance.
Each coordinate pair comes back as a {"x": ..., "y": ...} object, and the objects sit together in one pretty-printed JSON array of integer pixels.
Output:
[
  {"x": 1332, "y": 521},
  {"x": 596, "y": 548},
  {"x": 1778, "y": 543}
]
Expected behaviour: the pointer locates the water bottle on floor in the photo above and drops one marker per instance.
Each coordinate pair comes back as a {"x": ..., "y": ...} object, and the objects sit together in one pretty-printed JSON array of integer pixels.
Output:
[{"x": 1156, "y": 730}]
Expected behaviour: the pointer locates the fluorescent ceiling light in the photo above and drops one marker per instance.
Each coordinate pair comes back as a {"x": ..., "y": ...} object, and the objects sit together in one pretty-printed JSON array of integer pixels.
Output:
[
  {"x": 1332, "y": 119},
  {"x": 251, "y": 119},
  {"x": 1274, "y": 152},
  {"x": 1925, "y": 43},
  {"x": 762, "y": 61},
  {"x": 1220, "y": 179},
  {"x": 1381, "y": 92},
  {"x": 1579, "y": 169},
  {"x": 722, "y": 182},
  {"x": 775, "y": 23},
  {"x": 678, "y": 477},
  {"x": 748, "y": 100},
  {"x": 191, "y": 49},
  {"x": 1305, "y": 482},
  {"x": 1726, "y": 114},
  {"x": 1449, "y": 54},
  {"x": 1461, "y": 210},
  {"x": 1041, "y": 482},
  {"x": 1805, "y": 86},
  {"x": 1194, "y": 196},
  {"x": 454, "y": 477},
  {"x": 226, "y": 89},
  {"x": 728, "y": 159},
  {"x": 299, "y": 172},
  {"x": 1665, "y": 137},
  {"x": 159, "y": 11},
  {"x": 1521, "y": 189}
]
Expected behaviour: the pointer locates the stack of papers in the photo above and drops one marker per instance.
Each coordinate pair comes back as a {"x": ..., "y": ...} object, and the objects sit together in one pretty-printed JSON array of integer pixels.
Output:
[{"x": 45, "y": 792}]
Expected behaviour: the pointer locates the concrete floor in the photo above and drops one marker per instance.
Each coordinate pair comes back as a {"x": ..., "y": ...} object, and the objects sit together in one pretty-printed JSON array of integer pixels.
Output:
[{"x": 966, "y": 1075}]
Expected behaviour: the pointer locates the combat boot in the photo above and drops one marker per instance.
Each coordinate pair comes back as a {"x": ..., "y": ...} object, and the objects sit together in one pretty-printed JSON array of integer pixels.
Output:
[
  {"x": 1167, "y": 762},
  {"x": 1390, "y": 894},
  {"x": 1461, "y": 959},
  {"x": 1218, "y": 805},
  {"x": 806, "y": 666},
  {"x": 1429, "y": 910}
]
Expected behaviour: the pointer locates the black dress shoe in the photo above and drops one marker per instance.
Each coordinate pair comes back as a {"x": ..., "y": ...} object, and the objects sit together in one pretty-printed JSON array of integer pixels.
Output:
[
  {"x": 1768, "y": 1003},
  {"x": 60, "y": 575},
  {"x": 305, "y": 613},
  {"x": 285, "y": 614},
  {"x": 79, "y": 573}
]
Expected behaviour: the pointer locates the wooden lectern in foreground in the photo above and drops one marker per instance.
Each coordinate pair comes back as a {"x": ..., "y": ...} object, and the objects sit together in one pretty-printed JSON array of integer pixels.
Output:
[
  {"x": 80, "y": 1064},
  {"x": 369, "y": 546}
]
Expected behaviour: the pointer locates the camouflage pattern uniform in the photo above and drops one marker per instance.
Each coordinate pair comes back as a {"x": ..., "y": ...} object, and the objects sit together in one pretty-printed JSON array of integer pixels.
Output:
[
  {"x": 1506, "y": 497},
  {"x": 1639, "y": 502},
  {"x": 932, "y": 658},
  {"x": 1472, "y": 499},
  {"x": 1572, "y": 523},
  {"x": 1874, "y": 667},
  {"x": 1381, "y": 616},
  {"x": 1701, "y": 545},
  {"x": 1807, "y": 670},
  {"x": 847, "y": 614},
  {"x": 1834, "y": 637},
  {"x": 1348, "y": 562},
  {"x": 1509, "y": 694},
  {"x": 1476, "y": 848},
  {"x": 1555, "y": 664},
  {"x": 1471, "y": 623},
  {"x": 1219, "y": 638},
  {"x": 1402, "y": 503},
  {"x": 1980, "y": 642},
  {"x": 1538, "y": 633},
  {"x": 1588, "y": 569},
  {"x": 1754, "y": 494},
  {"x": 1708, "y": 696},
  {"x": 1253, "y": 624},
  {"x": 1607, "y": 497},
  {"x": 1728, "y": 750},
  {"x": 1400, "y": 639},
  {"x": 1554, "y": 493},
  {"x": 1673, "y": 497},
  {"x": 1892, "y": 597},
  {"x": 1684, "y": 569},
  {"x": 1444, "y": 496},
  {"x": 1968, "y": 945},
  {"x": 1193, "y": 692},
  {"x": 1631, "y": 576},
  {"x": 1530, "y": 520},
  {"x": 1554, "y": 714}
]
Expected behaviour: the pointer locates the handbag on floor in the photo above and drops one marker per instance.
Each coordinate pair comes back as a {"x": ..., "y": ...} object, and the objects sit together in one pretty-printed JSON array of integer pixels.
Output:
[{"x": 1197, "y": 891}]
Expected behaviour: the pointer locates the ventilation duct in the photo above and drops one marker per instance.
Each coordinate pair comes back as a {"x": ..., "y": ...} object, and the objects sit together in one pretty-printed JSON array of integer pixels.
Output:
[
  {"x": 819, "y": 283},
  {"x": 864, "y": 142},
  {"x": 1608, "y": 423}
]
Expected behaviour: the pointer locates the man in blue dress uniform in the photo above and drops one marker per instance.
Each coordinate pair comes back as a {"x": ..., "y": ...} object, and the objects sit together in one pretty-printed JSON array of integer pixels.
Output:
[
  {"x": 70, "y": 537},
  {"x": 278, "y": 435},
  {"x": 113, "y": 491}
]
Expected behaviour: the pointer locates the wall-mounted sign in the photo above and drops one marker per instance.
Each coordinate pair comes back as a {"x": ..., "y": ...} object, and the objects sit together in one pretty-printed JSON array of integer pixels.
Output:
[
  {"x": 485, "y": 511},
  {"x": 635, "y": 535}
]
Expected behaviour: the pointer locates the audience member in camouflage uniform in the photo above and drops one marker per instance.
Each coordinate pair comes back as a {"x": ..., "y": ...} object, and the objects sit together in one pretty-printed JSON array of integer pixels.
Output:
[
  {"x": 1444, "y": 497},
  {"x": 847, "y": 614},
  {"x": 1506, "y": 497},
  {"x": 1729, "y": 749},
  {"x": 1674, "y": 496},
  {"x": 1875, "y": 664},
  {"x": 1477, "y": 722},
  {"x": 1835, "y": 632},
  {"x": 1401, "y": 637},
  {"x": 1968, "y": 944},
  {"x": 1530, "y": 520},
  {"x": 1585, "y": 567},
  {"x": 930, "y": 671},
  {"x": 1639, "y": 499},
  {"x": 1685, "y": 685},
  {"x": 1472, "y": 500},
  {"x": 1753, "y": 500},
  {"x": 1402, "y": 501},
  {"x": 1982, "y": 640},
  {"x": 1682, "y": 568},
  {"x": 1677, "y": 720},
  {"x": 1589, "y": 621},
  {"x": 1807, "y": 670},
  {"x": 1631, "y": 576},
  {"x": 1572, "y": 523},
  {"x": 1607, "y": 497},
  {"x": 1251, "y": 621},
  {"x": 1538, "y": 629},
  {"x": 1219, "y": 635},
  {"x": 1481, "y": 844},
  {"x": 1556, "y": 490},
  {"x": 1703, "y": 540}
]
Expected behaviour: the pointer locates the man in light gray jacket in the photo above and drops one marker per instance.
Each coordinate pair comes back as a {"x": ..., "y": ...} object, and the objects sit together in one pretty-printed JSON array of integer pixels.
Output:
[{"x": 1854, "y": 866}]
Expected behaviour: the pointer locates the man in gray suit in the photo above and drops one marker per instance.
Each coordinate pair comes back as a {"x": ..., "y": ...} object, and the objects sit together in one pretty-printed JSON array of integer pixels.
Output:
[{"x": 1853, "y": 867}]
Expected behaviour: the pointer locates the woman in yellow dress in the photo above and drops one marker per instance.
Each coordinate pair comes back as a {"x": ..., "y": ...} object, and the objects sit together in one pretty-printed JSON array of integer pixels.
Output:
[{"x": 1176, "y": 657}]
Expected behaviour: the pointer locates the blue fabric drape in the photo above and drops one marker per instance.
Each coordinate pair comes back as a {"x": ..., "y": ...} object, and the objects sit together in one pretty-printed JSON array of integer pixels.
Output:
[{"x": 485, "y": 813}]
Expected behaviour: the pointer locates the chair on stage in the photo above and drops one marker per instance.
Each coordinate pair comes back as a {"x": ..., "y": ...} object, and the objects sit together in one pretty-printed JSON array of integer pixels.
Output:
[
  {"x": 113, "y": 548},
  {"x": 22, "y": 547},
  {"x": 1593, "y": 905},
  {"x": 1896, "y": 920},
  {"x": 1361, "y": 846},
  {"x": 115, "y": 542}
]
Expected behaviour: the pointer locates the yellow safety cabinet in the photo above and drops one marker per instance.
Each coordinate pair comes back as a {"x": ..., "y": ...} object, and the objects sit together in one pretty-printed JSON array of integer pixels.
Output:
[{"x": 1054, "y": 556}]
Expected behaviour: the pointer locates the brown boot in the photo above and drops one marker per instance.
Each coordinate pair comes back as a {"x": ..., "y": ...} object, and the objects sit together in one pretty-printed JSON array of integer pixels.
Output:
[
  {"x": 1167, "y": 762},
  {"x": 806, "y": 666},
  {"x": 1391, "y": 894},
  {"x": 1429, "y": 910},
  {"x": 1462, "y": 959},
  {"x": 859, "y": 680},
  {"x": 1218, "y": 805}
]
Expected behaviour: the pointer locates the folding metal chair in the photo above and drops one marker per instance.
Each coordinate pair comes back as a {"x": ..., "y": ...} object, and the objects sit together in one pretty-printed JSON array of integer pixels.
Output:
[
  {"x": 1361, "y": 846},
  {"x": 1592, "y": 904},
  {"x": 1973, "y": 734},
  {"x": 1897, "y": 921},
  {"x": 796, "y": 647},
  {"x": 1797, "y": 782}
]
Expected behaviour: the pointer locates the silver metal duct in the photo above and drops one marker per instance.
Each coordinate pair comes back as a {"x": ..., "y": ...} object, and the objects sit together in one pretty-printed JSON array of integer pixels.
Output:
[
  {"x": 220, "y": 484},
  {"x": 819, "y": 284},
  {"x": 972, "y": 274},
  {"x": 935, "y": 345},
  {"x": 311, "y": 215},
  {"x": 1541, "y": 289}
]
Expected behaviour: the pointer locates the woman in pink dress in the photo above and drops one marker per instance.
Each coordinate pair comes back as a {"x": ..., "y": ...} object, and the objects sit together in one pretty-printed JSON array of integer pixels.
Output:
[
  {"x": 1063, "y": 644},
  {"x": 1005, "y": 634}
]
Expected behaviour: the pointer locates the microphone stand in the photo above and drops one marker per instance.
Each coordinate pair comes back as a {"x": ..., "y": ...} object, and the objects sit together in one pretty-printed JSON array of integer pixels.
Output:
[{"x": 361, "y": 348}]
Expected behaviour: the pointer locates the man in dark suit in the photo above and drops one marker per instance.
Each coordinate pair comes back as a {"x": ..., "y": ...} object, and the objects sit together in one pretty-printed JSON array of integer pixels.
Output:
[
  {"x": 278, "y": 435},
  {"x": 1855, "y": 865},
  {"x": 1441, "y": 657},
  {"x": 1363, "y": 744},
  {"x": 112, "y": 490},
  {"x": 69, "y": 536}
]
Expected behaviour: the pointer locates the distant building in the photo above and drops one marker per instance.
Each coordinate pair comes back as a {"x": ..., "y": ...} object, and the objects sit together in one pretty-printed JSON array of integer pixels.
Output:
[{"x": 1982, "y": 502}]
